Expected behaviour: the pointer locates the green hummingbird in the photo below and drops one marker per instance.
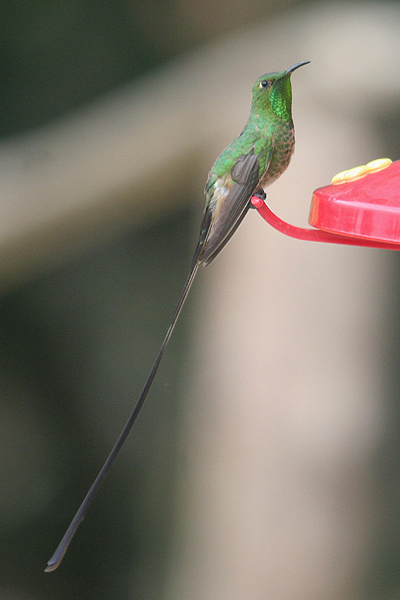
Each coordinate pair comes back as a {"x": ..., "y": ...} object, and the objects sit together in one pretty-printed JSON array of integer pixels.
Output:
[{"x": 254, "y": 159}]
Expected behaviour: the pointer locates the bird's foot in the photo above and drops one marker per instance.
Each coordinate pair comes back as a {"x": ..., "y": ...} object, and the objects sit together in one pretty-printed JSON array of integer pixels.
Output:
[{"x": 258, "y": 196}]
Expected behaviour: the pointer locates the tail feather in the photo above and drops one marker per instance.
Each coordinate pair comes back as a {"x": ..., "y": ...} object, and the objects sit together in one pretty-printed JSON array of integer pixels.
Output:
[{"x": 58, "y": 555}]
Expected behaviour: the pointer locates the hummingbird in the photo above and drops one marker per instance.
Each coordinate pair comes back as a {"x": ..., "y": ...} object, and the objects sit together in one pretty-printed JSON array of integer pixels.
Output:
[{"x": 255, "y": 159}]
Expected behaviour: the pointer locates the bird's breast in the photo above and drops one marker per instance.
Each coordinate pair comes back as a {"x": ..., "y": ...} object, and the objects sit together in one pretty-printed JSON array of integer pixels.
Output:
[{"x": 282, "y": 153}]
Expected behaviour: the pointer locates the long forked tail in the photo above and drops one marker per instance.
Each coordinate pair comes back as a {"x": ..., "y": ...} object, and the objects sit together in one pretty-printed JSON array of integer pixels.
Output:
[{"x": 58, "y": 555}]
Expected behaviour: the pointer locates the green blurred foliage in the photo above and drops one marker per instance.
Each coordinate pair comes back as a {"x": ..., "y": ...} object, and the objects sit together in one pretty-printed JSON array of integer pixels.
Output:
[{"x": 57, "y": 55}]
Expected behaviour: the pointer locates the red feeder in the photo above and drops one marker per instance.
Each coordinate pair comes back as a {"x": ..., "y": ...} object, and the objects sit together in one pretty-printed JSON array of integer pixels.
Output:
[{"x": 360, "y": 208}]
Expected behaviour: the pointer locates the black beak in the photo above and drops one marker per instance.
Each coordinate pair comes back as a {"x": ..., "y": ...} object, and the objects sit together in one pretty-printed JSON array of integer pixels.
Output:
[{"x": 296, "y": 66}]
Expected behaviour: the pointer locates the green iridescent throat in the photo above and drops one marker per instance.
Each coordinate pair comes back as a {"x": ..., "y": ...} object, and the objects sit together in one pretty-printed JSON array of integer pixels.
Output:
[{"x": 281, "y": 99}]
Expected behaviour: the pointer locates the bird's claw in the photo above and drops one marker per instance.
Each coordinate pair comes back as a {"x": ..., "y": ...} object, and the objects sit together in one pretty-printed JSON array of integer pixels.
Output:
[{"x": 258, "y": 194}]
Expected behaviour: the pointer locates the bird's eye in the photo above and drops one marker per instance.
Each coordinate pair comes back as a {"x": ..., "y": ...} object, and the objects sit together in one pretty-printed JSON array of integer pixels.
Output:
[{"x": 265, "y": 83}]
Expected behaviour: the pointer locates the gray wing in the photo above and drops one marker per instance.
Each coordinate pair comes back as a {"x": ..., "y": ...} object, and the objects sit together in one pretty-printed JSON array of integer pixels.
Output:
[{"x": 219, "y": 225}]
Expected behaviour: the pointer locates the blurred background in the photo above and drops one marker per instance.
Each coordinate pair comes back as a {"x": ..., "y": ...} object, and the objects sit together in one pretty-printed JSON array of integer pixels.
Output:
[{"x": 266, "y": 461}]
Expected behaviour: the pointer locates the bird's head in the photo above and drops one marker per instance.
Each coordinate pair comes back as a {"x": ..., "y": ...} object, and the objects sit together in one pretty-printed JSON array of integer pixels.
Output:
[{"x": 273, "y": 92}]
